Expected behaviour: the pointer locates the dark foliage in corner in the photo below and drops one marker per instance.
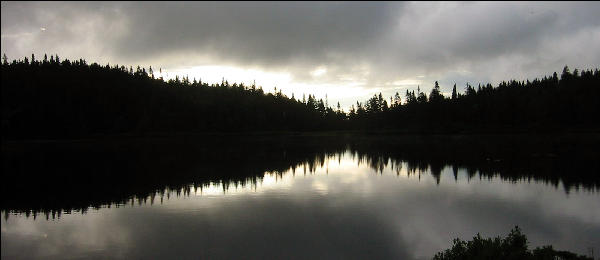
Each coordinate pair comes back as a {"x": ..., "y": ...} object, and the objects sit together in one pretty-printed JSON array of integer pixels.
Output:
[{"x": 513, "y": 246}]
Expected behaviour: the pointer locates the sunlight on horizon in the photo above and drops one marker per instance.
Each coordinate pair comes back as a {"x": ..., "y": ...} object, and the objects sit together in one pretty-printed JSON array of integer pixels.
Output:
[{"x": 346, "y": 93}]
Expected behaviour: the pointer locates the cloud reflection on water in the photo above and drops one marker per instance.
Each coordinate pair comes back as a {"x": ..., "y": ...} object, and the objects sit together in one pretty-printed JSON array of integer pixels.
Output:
[{"x": 343, "y": 208}]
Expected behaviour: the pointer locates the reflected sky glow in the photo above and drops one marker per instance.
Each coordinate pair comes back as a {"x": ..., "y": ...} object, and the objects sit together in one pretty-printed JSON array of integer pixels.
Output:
[{"x": 326, "y": 212}]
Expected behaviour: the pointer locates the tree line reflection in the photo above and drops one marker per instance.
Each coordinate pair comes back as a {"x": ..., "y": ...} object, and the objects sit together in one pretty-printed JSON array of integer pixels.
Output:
[{"x": 50, "y": 179}]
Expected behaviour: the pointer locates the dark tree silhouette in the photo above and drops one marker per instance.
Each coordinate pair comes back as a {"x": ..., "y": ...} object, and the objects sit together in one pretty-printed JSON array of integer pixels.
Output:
[
  {"x": 454, "y": 96},
  {"x": 542, "y": 105},
  {"x": 73, "y": 99}
]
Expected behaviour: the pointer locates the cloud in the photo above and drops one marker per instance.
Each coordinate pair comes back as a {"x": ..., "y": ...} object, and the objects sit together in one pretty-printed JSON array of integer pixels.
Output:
[{"x": 372, "y": 43}]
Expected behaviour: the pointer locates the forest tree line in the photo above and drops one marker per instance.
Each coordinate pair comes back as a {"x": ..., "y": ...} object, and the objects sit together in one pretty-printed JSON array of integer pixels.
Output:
[
  {"x": 54, "y": 98},
  {"x": 61, "y": 98},
  {"x": 571, "y": 102}
]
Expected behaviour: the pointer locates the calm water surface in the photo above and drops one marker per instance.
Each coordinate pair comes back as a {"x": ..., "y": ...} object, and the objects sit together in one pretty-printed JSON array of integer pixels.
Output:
[{"x": 343, "y": 207}]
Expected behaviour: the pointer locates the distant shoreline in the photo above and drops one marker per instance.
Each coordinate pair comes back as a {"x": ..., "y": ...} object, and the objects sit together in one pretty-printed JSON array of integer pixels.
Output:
[{"x": 296, "y": 134}]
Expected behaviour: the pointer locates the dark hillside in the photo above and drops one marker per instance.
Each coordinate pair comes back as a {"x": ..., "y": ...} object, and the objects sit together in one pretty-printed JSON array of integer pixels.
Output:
[{"x": 70, "y": 99}]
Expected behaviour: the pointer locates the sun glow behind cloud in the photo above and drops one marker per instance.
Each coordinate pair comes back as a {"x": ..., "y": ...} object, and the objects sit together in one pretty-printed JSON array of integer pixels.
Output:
[
  {"x": 216, "y": 73},
  {"x": 319, "y": 71}
]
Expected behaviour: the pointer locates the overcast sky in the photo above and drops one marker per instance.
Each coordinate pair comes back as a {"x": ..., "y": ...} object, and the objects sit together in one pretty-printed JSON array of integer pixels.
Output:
[{"x": 347, "y": 50}]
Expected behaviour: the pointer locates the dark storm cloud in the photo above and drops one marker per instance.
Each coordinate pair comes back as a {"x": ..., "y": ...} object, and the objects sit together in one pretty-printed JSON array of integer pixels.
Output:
[
  {"x": 75, "y": 30},
  {"x": 375, "y": 42},
  {"x": 436, "y": 38},
  {"x": 269, "y": 33}
]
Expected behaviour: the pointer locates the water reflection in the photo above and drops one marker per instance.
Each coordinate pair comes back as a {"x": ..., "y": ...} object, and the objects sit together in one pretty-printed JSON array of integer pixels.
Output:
[
  {"x": 307, "y": 200},
  {"x": 342, "y": 207},
  {"x": 51, "y": 178}
]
